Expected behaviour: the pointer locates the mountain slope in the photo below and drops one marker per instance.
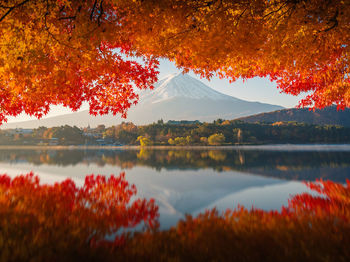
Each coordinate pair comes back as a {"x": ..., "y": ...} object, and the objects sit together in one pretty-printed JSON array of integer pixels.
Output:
[
  {"x": 175, "y": 97},
  {"x": 182, "y": 86},
  {"x": 327, "y": 116}
]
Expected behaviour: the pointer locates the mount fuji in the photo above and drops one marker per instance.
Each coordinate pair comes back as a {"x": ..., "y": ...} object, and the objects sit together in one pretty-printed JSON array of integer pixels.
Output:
[{"x": 175, "y": 97}]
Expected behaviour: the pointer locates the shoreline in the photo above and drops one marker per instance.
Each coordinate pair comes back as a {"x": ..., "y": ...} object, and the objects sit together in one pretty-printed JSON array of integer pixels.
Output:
[{"x": 163, "y": 147}]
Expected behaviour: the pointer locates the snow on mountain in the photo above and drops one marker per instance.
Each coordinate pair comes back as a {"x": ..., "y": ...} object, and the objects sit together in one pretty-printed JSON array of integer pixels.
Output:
[
  {"x": 184, "y": 86},
  {"x": 175, "y": 97}
]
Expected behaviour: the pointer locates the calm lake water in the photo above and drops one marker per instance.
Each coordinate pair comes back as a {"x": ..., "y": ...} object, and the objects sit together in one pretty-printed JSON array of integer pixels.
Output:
[{"x": 191, "y": 181}]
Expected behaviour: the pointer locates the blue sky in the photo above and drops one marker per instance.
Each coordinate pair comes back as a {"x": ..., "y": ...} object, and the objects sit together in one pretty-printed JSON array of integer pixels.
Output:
[{"x": 256, "y": 89}]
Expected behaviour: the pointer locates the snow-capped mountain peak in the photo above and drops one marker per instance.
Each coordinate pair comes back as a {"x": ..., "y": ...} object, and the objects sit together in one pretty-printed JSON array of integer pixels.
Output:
[{"x": 181, "y": 86}]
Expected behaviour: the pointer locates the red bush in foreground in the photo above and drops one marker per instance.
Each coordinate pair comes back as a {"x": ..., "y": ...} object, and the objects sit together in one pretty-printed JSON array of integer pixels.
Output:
[
  {"x": 310, "y": 228},
  {"x": 62, "y": 222}
]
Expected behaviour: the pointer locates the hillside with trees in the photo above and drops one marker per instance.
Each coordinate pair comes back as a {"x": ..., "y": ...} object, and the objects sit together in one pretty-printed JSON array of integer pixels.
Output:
[{"x": 325, "y": 116}]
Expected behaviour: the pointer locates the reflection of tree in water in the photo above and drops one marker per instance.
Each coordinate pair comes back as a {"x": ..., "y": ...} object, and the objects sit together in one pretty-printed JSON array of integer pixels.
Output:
[
  {"x": 51, "y": 157},
  {"x": 282, "y": 164},
  {"x": 143, "y": 154},
  {"x": 241, "y": 157},
  {"x": 218, "y": 156}
]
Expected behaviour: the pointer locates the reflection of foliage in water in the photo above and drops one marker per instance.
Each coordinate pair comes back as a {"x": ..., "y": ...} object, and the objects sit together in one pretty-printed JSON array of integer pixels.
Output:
[
  {"x": 299, "y": 165},
  {"x": 61, "y": 222},
  {"x": 218, "y": 156},
  {"x": 310, "y": 228}
]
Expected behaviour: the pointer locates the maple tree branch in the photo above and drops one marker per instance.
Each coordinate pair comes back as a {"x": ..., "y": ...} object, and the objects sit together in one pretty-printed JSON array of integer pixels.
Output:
[
  {"x": 93, "y": 10},
  {"x": 101, "y": 13},
  {"x": 275, "y": 11},
  {"x": 240, "y": 16},
  {"x": 334, "y": 20},
  {"x": 10, "y": 9},
  {"x": 182, "y": 32},
  {"x": 67, "y": 17},
  {"x": 47, "y": 28},
  {"x": 62, "y": 8},
  {"x": 58, "y": 41}
]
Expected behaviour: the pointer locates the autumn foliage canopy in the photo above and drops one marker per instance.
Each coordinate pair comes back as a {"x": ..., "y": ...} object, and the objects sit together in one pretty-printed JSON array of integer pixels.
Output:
[{"x": 69, "y": 51}]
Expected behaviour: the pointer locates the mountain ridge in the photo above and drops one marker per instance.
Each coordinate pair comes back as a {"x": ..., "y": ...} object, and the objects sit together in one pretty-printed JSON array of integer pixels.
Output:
[
  {"x": 175, "y": 97},
  {"x": 326, "y": 116}
]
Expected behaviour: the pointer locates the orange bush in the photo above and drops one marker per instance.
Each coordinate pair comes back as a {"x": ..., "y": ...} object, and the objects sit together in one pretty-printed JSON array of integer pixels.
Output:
[
  {"x": 62, "y": 222},
  {"x": 310, "y": 228}
]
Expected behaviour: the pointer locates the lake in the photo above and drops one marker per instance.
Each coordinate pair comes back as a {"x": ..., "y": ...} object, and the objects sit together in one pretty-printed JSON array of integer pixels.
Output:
[{"x": 189, "y": 181}]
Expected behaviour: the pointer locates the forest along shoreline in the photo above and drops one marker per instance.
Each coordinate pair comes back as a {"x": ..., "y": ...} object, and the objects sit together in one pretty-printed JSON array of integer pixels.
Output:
[{"x": 181, "y": 133}]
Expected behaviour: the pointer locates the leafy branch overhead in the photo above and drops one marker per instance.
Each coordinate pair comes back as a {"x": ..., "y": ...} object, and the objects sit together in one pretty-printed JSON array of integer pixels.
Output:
[
  {"x": 64, "y": 52},
  {"x": 68, "y": 51}
]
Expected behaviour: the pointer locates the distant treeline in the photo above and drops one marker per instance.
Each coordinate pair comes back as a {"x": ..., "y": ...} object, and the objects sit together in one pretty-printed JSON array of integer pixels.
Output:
[{"x": 184, "y": 133}]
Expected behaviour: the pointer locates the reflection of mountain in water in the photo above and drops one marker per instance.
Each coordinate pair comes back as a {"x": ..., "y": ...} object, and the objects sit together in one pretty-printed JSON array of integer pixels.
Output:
[
  {"x": 189, "y": 191},
  {"x": 290, "y": 165}
]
